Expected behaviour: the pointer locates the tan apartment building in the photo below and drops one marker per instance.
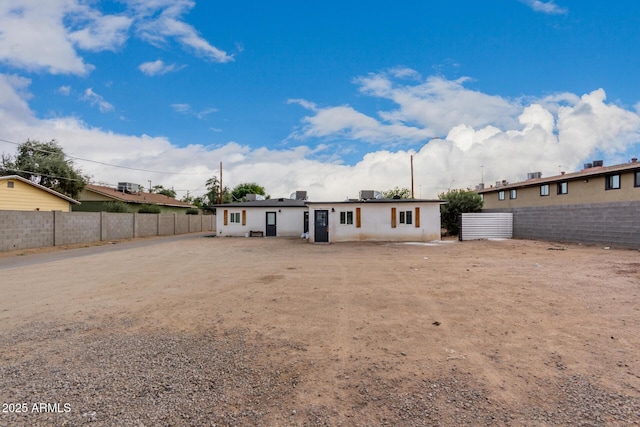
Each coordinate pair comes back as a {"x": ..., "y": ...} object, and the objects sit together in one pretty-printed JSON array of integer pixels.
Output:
[
  {"x": 594, "y": 184},
  {"x": 597, "y": 205}
]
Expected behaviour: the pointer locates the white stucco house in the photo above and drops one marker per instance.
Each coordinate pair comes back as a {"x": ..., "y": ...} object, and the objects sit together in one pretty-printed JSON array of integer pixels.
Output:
[
  {"x": 404, "y": 220},
  {"x": 371, "y": 219},
  {"x": 268, "y": 218}
]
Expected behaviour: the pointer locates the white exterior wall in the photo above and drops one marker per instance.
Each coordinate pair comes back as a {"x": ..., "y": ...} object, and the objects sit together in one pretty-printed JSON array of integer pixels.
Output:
[
  {"x": 376, "y": 222},
  {"x": 289, "y": 221}
]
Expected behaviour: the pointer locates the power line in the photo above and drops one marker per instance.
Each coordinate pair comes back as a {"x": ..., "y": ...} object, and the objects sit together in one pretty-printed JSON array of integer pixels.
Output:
[{"x": 111, "y": 165}]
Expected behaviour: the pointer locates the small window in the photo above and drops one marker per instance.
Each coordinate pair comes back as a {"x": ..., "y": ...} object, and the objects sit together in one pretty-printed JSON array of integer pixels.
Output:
[
  {"x": 9, "y": 184},
  {"x": 406, "y": 217},
  {"x": 234, "y": 217},
  {"x": 513, "y": 194},
  {"x": 346, "y": 217},
  {"x": 544, "y": 190},
  {"x": 500, "y": 195},
  {"x": 636, "y": 179},
  {"x": 563, "y": 187},
  {"x": 612, "y": 182}
]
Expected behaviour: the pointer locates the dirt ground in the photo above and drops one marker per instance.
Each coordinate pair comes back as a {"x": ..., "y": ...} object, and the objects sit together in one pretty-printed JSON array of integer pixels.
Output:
[{"x": 259, "y": 331}]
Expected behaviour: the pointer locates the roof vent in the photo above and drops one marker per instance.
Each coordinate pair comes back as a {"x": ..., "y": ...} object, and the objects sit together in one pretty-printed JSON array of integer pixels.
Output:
[
  {"x": 300, "y": 195},
  {"x": 588, "y": 165},
  {"x": 634, "y": 159},
  {"x": 480, "y": 186},
  {"x": 534, "y": 175},
  {"x": 597, "y": 163}
]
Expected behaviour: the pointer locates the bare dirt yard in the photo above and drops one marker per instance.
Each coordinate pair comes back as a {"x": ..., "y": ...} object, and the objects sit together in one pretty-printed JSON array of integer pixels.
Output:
[{"x": 279, "y": 332}]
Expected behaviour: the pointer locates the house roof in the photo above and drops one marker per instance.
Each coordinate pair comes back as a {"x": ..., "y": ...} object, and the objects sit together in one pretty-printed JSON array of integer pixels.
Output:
[
  {"x": 290, "y": 203},
  {"x": 151, "y": 198},
  {"x": 41, "y": 187},
  {"x": 269, "y": 203},
  {"x": 376, "y": 201},
  {"x": 585, "y": 173}
]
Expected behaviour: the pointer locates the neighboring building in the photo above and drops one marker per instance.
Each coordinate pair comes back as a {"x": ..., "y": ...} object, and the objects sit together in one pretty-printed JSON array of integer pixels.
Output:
[
  {"x": 353, "y": 220},
  {"x": 599, "y": 204},
  {"x": 20, "y": 194},
  {"x": 593, "y": 184},
  {"x": 95, "y": 198}
]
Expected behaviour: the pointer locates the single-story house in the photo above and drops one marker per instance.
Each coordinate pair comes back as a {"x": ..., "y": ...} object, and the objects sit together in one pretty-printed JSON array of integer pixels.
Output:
[
  {"x": 405, "y": 220},
  {"x": 95, "y": 198},
  {"x": 352, "y": 220},
  {"x": 20, "y": 194},
  {"x": 272, "y": 217}
]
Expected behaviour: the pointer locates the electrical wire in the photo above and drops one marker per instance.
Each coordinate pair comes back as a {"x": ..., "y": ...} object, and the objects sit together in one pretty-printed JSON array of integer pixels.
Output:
[{"x": 109, "y": 164}]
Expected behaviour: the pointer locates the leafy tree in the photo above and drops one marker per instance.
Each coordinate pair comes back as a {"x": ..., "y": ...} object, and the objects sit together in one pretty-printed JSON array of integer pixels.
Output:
[
  {"x": 159, "y": 189},
  {"x": 196, "y": 201},
  {"x": 240, "y": 191},
  {"x": 45, "y": 163},
  {"x": 398, "y": 193},
  {"x": 213, "y": 192},
  {"x": 458, "y": 201}
]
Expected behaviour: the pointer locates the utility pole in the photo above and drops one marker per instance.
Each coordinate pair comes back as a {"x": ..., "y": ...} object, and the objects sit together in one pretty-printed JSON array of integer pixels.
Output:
[
  {"x": 220, "y": 196},
  {"x": 412, "y": 177}
]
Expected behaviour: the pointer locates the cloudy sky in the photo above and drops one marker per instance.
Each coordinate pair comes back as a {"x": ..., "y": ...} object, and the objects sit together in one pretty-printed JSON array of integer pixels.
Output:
[{"x": 330, "y": 97}]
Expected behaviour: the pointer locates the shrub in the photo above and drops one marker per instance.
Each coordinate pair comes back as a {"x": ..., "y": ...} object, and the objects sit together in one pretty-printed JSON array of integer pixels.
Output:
[
  {"x": 193, "y": 211},
  {"x": 458, "y": 201},
  {"x": 148, "y": 208},
  {"x": 117, "y": 207}
]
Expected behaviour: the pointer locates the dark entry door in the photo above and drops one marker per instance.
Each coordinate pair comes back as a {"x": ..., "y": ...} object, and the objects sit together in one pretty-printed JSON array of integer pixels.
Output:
[
  {"x": 306, "y": 222},
  {"x": 271, "y": 223},
  {"x": 321, "y": 229}
]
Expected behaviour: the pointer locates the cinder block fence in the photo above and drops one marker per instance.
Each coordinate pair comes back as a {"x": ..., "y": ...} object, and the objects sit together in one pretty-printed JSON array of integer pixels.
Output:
[{"x": 34, "y": 229}]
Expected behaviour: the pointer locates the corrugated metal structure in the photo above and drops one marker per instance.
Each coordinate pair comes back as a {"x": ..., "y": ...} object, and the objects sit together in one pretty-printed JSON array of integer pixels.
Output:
[{"x": 478, "y": 226}]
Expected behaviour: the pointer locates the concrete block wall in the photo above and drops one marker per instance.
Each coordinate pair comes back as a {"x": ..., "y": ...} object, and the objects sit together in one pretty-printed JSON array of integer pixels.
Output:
[
  {"x": 25, "y": 230},
  {"x": 182, "y": 224},
  {"x": 146, "y": 225},
  {"x": 609, "y": 224},
  {"x": 117, "y": 226},
  {"x": 195, "y": 224},
  {"x": 35, "y": 229},
  {"x": 81, "y": 227},
  {"x": 166, "y": 224}
]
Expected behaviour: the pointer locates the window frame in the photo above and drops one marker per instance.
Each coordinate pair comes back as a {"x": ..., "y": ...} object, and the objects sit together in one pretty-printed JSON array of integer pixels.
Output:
[
  {"x": 608, "y": 184},
  {"x": 346, "y": 217},
  {"x": 501, "y": 195},
  {"x": 560, "y": 186},
  {"x": 513, "y": 194},
  {"x": 546, "y": 188},
  {"x": 405, "y": 217},
  {"x": 10, "y": 184},
  {"x": 233, "y": 216},
  {"x": 636, "y": 179}
]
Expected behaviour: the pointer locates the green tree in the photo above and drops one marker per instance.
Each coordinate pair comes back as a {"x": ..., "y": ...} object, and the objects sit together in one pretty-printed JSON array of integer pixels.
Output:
[
  {"x": 159, "y": 189},
  {"x": 398, "y": 193},
  {"x": 240, "y": 191},
  {"x": 213, "y": 193},
  {"x": 458, "y": 201},
  {"x": 46, "y": 164}
]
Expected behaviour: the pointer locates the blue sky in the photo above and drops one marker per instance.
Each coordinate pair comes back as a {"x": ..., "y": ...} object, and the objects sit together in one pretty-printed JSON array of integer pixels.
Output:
[{"x": 331, "y": 98}]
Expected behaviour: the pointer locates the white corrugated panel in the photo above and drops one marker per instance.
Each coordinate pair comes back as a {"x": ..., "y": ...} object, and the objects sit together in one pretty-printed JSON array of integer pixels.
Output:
[{"x": 476, "y": 226}]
